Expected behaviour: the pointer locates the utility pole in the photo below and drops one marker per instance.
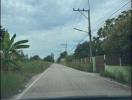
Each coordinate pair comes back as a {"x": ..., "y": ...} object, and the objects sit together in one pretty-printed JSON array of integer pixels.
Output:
[
  {"x": 52, "y": 57},
  {"x": 65, "y": 45},
  {"x": 89, "y": 27}
]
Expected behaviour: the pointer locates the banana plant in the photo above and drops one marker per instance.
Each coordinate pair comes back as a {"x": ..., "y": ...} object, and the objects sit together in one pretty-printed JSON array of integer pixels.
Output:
[{"x": 9, "y": 48}]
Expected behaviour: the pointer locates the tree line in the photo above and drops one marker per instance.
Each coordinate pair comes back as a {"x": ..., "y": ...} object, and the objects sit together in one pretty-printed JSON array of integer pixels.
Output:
[
  {"x": 114, "y": 38},
  {"x": 11, "y": 51}
]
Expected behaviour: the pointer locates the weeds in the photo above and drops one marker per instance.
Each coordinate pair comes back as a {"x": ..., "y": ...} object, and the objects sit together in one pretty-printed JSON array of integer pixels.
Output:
[
  {"x": 119, "y": 76},
  {"x": 12, "y": 82}
]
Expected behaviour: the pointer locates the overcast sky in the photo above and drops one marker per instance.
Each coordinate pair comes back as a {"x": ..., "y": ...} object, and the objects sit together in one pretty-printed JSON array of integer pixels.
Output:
[{"x": 48, "y": 24}]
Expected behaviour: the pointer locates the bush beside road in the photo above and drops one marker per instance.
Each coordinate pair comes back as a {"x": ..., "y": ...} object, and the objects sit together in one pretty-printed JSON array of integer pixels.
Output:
[
  {"x": 13, "y": 82},
  {"x": 119, "y": 73}
]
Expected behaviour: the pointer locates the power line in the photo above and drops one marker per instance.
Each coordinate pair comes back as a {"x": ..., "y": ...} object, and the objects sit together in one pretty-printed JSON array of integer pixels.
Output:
[
  {"x": 114, "y": 13},
  {"x": 101, "y": 22},
  {"x": 89, "y": 27},
  {"x": 83, "y": 14},
  {"x": 119, "y": 9},
  {"x": 110, "y": 15},
  {"x": 80, "y": 41}
]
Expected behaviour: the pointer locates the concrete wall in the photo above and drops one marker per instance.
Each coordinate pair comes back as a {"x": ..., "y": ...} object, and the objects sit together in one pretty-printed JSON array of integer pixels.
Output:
[{"x": 94, "y": 64}]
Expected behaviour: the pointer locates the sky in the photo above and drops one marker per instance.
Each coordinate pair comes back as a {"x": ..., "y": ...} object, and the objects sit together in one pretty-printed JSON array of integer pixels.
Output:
[{"x": 48, "y": 24}]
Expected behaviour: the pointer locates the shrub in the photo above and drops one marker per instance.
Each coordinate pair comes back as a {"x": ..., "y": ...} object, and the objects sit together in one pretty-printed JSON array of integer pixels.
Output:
[
  {"x": 13, "y": 81},
  {"x": 90, "y": 67},
  {"x": 123, "y": 76},
  {"x": 10, "y": 83}
]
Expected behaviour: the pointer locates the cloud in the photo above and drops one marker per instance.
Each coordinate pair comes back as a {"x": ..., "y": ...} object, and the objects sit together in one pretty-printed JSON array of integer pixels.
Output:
[
  {"x": 44, "y": 42},
  {"x": 37, "y": 15},
  {"x": 49, "y": 23}
]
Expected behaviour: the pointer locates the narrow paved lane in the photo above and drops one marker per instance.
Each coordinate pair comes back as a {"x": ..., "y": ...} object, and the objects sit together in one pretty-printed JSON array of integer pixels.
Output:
[{"x": 60, "y": 81}]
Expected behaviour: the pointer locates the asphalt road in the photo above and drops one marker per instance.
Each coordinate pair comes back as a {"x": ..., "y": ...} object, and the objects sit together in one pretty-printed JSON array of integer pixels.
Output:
[{"x": 61, "y": 81}]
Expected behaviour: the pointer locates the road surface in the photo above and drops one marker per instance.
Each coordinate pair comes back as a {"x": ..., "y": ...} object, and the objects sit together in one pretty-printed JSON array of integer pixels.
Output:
[{"x": 62, "y": 81}]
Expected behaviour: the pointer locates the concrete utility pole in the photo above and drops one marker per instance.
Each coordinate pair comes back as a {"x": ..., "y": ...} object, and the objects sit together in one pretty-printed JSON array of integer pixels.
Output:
[{"x": 89, "y": 27}]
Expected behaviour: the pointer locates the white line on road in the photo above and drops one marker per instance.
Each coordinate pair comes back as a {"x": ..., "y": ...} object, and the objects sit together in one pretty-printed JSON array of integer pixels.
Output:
[{"x": 19, "y": 96}]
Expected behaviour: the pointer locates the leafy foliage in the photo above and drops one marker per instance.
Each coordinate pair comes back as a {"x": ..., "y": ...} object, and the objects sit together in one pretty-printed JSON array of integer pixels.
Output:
[
  {"x": 117, "y": 33},
  {"x": 69, "y": 58},
  {"x": 9, "y": 48},
  {"x": 114, "y": 38},
  {"x": 62, "y": 55},
  {"x": 82, "y": 50},
  {"x": 35, "y": 57},
  {"x": 49, "y": 58},
  {"x": 12, "y": 82}
]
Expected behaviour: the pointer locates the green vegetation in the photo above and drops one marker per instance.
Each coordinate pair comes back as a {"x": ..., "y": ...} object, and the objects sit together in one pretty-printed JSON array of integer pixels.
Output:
[
  {"x": 62, "y": 56},
  {"x": 9, "y": 49},
  {"x": 119, "y": 73},
  {"x": 16, "y": 67},
  {"x": 114, "y": 38},
  {"x": 49, "y": 58},
  {"x": 12, "y": 82},
  {"x": 35, "y": 57}
]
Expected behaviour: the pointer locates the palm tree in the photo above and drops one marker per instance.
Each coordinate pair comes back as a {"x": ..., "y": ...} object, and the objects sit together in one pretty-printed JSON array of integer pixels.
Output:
[{"x": 9, "y": 48}]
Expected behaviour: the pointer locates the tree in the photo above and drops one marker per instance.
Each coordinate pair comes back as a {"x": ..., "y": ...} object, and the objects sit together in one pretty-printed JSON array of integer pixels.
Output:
[
  {"x": 62, "y": 55},
  {"x": 9, "y": 48},
  {"x": 117, "y": 39},
  {"x": 116, "y": 36},
  {"x": 69, "y": 58},
  {"x": 82, "y": 50},
  {"x": 2, "y": 31},
  {"x": 49, "y": 58},
  {"x": 22, "y": 56},
  {"x": 35, "y": 57},
  {"x": 96, "y": 47}
]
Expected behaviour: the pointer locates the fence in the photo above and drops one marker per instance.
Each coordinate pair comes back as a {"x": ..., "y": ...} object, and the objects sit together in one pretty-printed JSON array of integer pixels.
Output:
[
  {"x": 112, "y": 60},
  {"x": 109, "y": 66},
  {"x": 99, "y": 61}
]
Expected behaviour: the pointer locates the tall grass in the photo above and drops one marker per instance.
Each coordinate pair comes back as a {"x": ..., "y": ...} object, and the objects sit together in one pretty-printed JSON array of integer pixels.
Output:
[
  {"x": 13, "y": 81},
  {"x": 119, "y": 73}
]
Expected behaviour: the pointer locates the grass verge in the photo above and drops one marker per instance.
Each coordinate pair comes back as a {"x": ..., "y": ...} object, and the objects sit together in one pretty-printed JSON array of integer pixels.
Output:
[
  {"x": 13, "y": 81},
  {"x": 122, "y": 76}
]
